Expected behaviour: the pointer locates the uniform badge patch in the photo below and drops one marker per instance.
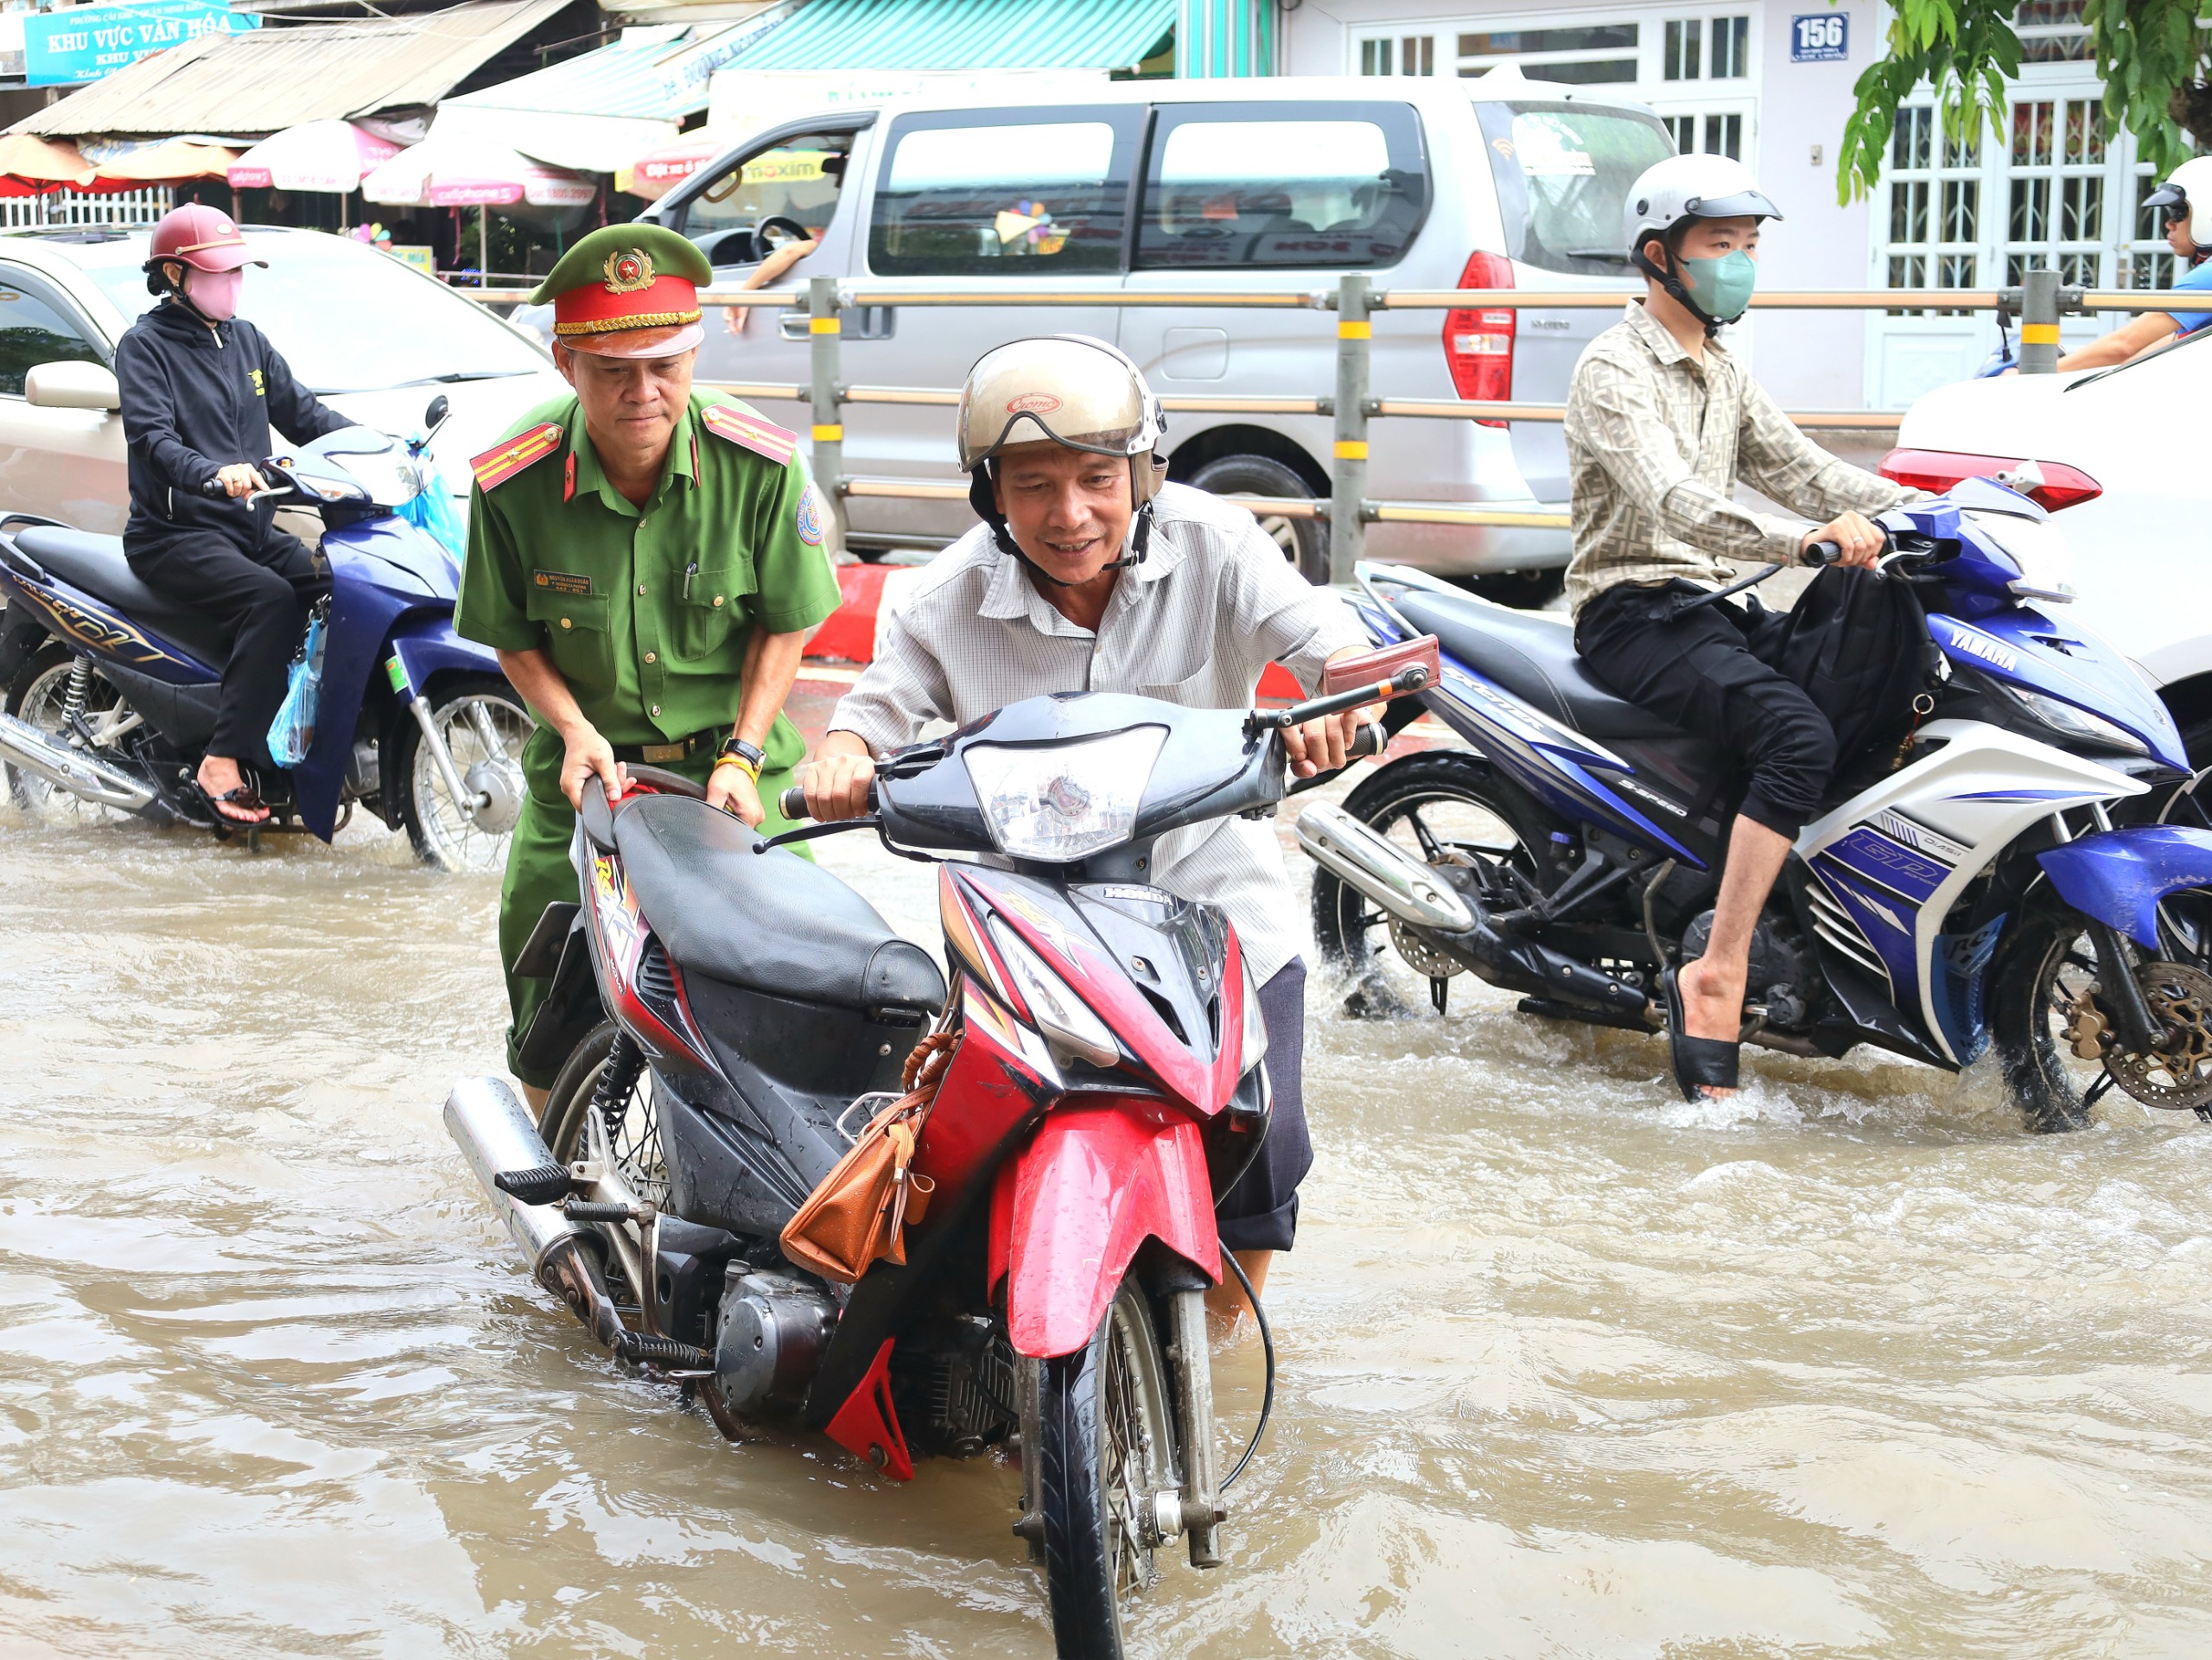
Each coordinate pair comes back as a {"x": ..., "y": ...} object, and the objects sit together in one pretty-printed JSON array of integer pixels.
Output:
[
  {"x": 562, "y": 582},
  {"x": 496, "y": 466},
  {"x": 810, "y": 517},
  {"x": 750, "y": 432}
]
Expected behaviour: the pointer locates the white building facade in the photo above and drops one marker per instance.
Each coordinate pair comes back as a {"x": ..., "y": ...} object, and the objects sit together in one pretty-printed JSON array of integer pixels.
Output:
[{"x": 1772, "y": 84}]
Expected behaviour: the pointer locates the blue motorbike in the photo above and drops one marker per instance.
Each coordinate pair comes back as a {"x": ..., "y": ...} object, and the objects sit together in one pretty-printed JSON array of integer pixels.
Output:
[
  {"x": 110, "y": 687},
  {"x": 2031, "y": 870}
]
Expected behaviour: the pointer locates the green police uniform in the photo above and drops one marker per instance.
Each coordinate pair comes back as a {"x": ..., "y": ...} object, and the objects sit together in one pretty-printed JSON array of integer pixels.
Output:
[{"x": 645, "y": 613}]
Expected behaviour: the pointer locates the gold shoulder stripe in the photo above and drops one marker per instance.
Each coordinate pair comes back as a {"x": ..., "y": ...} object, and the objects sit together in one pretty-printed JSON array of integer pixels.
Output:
[
  {"x": 749, "y": 432},
  {"x": 496, "y": 466}
]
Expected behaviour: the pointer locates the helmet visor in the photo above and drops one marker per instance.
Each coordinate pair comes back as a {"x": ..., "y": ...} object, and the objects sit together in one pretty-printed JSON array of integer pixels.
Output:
[
  {"x": 1070, "y": 392},
  {"x": 1740, "y": 204},
  {"x": 2167, "y": 195}
]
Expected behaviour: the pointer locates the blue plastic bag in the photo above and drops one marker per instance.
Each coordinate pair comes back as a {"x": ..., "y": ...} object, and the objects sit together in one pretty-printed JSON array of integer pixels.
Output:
[
  {"x": 292, "y": 734},
  {"x": 432, "y": 511}
]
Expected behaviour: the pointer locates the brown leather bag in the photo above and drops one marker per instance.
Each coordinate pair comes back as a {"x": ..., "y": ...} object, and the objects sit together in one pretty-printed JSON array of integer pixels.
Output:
[{"x": 858, "y": 1213}]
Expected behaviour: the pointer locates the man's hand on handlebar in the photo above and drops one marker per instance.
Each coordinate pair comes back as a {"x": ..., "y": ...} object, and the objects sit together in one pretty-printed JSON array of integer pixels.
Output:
[
  {"x": 1860, "y": 539},
  {"x": 240, "y": 479},
  {"x": 837, "y": 782},
  {"x": 1324, "y": 745}
]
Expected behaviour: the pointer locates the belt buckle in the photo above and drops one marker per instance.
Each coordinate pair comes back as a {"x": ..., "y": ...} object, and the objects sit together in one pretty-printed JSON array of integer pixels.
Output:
[{"x": 654, "y": 754}]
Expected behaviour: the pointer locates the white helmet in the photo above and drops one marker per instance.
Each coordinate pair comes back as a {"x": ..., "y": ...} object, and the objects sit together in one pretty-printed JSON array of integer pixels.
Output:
[
  {"x": 2188, "y": 186},
  {"x": 1689, "y": 187}
]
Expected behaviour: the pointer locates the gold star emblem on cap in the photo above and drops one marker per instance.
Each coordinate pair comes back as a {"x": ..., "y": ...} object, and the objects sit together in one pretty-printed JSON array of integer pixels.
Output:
[{"x": 628, "y": 270}]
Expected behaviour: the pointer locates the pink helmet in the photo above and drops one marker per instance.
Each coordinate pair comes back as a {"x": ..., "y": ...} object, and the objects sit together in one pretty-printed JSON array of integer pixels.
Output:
[{"x": 200, "y": 237}]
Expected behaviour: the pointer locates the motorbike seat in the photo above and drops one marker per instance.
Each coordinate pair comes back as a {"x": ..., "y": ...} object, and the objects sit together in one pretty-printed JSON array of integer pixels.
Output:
[
  {"x": 770, "y": 922},
  {"x": 96, "y": 564},
  {"x": 1532, "y": 655}
]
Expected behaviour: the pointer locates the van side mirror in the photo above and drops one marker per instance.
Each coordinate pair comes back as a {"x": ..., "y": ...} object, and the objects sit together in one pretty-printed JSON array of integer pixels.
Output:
[
  {"x": 434, "y": 416},
  {"x": 72, "y": 386}
]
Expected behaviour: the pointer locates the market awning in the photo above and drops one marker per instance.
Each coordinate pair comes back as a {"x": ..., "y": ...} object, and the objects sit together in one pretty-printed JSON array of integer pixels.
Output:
[
  {"x": 271, "y": 79},
  {"x": 964, "y": 34}
]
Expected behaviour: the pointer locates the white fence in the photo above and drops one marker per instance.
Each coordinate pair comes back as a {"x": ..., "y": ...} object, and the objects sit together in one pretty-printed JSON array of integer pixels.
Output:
[{"x": 69, "y": 207}]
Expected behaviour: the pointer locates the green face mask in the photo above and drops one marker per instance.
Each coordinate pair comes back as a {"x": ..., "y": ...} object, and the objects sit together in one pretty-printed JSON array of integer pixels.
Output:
[{"x": 1722, "y": 287}]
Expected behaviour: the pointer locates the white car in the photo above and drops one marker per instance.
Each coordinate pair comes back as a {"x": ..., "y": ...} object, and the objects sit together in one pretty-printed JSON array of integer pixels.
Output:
[
  {"x": 2124, "y": 469},
  {"x": 373, "y": 338}
]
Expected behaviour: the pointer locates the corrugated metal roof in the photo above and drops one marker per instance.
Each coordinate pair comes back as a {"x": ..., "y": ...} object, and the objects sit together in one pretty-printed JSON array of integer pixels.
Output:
[
  {"x": 965, "y": 35},
  {"x": 271, "y": 79},
  {"x": 625, "y": 78}
]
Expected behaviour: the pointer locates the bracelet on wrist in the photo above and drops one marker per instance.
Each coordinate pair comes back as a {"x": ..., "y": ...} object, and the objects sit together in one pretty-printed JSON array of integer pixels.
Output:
[{"x": 742, "y": 765}]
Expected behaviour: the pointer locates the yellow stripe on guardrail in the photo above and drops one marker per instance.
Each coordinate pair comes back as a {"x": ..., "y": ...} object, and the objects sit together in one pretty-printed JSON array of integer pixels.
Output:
[
  {"x": 2039, "y": 333},
  {"x": 829, "y": 434},
  {"x": 824, "y": 326},
  {"x": 1355, "y": 331},
  {"x": 1351, "y": 449}
]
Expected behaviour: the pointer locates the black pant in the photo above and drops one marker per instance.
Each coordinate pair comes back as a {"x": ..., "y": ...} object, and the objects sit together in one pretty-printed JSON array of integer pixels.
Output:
[
  {"x": 1260, "y": 1212},
  {"x": 1717, "y": 671},
  {"x": 258, "y": 597}
]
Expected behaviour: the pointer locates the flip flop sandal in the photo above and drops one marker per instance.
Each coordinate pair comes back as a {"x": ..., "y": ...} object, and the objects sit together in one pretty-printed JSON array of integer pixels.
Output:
[
  {"x": 245, "y": 796},
  {"x": 1701, "y": 1064}
]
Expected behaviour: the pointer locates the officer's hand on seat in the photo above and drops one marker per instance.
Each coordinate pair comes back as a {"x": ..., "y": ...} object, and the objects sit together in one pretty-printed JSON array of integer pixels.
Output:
[
  {"x": 729, "y": 789},
  {"x": 588, "y": 755},
  {"x": 1859, "y": 537},
  {"x": 838, "y": 784},
  {"x": 240, "y": 479}
]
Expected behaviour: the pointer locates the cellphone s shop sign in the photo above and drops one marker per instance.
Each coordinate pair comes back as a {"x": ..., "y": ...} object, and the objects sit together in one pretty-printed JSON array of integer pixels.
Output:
[{"x": 83, "y": 43}]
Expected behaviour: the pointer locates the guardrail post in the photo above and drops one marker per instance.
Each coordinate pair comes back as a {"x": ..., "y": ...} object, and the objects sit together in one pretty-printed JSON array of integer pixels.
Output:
[
  {"x": 2039, "y": 323},
  {"x": 1348, "y": 474},
  {"x": 823, "y": 336}
]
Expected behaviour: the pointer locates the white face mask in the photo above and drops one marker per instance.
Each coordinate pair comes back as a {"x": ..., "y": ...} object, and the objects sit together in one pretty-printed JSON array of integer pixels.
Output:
[{"x": 214, "y": 293}]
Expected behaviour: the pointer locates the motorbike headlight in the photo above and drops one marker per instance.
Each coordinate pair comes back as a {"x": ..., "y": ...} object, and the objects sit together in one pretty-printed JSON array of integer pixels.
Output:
[
  {"x": 1059, "y": 803},
  {"x": 1254, "y": 1041},
  {"x": 1064, "y": 1018},
  {"x": 2078, "y": 723},
  {"x": 2037, "y": 547}
]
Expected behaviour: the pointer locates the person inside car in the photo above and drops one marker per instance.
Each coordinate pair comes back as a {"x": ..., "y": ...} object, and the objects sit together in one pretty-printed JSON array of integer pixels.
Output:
[
  {"x": 201, "y": 387},
  {"x": 1090, "y": 574},
  {"x": 1661, "y": 421},
  {"x": 2189, "y": 237}
]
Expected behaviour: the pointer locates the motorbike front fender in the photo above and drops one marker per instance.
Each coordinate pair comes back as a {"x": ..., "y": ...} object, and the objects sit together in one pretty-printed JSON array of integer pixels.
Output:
[
  {"x": 2117, "y": 876},
  {"x": 1070, "y": 1210}
]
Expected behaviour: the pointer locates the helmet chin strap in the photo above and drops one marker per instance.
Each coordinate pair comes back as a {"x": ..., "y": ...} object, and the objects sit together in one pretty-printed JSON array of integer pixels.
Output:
[
  {"x": 980, "y": 498},
  {"x": 1668, "y": 280}
]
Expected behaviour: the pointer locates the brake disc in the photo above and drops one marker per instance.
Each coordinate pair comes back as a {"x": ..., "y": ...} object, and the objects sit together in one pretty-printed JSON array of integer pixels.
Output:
[
  {"x": 1420, "y": 956},
  {"x": 2177, "y": 1074}
]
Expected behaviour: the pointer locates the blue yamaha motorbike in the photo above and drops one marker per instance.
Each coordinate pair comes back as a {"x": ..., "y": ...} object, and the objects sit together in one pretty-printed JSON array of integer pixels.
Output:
[
  {"x": 2031, "y": 870},
  {"x": 111, "y": 687}
]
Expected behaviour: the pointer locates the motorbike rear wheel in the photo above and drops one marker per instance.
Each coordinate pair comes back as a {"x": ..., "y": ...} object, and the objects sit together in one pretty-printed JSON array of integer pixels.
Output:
[
  {"x": 485, "y": 724},
  {"x": 1105, "y": 1450},
  {"x": 636, "y": 1135},
  {"x": 37, "y": 698}
]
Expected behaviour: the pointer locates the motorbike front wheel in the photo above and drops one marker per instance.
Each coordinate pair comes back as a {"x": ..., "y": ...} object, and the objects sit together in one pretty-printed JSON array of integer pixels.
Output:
[
  {"x": 1106, "y": 1453},
  {"x": 485, "y": 725}
]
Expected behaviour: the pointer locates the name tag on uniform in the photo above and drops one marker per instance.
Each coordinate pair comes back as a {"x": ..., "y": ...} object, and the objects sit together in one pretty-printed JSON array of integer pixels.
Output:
[{"x": 561, "y": 582}]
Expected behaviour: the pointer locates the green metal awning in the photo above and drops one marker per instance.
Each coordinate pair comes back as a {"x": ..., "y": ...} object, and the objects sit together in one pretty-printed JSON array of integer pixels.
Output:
[{"x": 952, "y": 35}]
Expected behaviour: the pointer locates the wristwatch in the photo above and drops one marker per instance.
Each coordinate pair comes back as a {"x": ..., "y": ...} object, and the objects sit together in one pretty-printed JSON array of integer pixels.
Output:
[{"x": 737, "y": 752}]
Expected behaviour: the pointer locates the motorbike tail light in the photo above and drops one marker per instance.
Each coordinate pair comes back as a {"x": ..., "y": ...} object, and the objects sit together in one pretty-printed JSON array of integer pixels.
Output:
[
  {"x": 1479, "y": 340},
  {"x": 1938, "y": 470}
]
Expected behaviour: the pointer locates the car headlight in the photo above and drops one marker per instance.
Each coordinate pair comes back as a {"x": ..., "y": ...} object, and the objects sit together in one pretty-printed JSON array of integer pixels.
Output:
[
  {"x": 1055, "y": 1010},
  {"x": 2076, "y": 722},
  {"x": 1254, "y": 1045},
  {"x": 1058, "y": 802}
]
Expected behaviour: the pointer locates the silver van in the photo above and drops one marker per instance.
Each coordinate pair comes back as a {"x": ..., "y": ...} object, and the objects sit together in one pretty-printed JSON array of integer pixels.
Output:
[{"x": 1180, "y": 185}]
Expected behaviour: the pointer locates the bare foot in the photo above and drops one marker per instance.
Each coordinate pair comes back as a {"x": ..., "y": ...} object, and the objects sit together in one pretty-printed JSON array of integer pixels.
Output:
[
  {"x": 219, "y": 777},
  {"x": 1713, "y": 1005}
]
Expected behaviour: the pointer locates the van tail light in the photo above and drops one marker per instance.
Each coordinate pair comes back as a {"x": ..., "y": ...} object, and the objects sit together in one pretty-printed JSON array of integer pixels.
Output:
[
  {"x": 2060, "y": 485},
  {"x": 1479, "y": 343}
]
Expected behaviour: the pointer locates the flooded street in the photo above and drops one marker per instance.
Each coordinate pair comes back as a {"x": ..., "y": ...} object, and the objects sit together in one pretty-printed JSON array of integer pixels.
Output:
[{"x": 1848, "y": 1365}]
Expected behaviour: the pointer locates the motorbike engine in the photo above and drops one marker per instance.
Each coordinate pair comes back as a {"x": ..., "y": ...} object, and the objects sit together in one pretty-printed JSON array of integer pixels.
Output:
[
  {"x": 1782, "y": 974},
  {"x": 770, "y": 1340}
]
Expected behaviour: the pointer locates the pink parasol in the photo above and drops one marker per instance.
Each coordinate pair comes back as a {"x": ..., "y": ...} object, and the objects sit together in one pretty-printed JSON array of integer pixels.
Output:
[
  {"x": 655, "y": 173},
  {"x": 326, "y": 156},
  {"x": 453, "y": 173}
]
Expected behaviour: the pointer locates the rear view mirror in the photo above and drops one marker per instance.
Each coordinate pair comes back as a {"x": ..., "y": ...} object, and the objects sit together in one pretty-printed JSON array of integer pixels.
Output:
[
  {"x": 434, "y": 416},
  {"x": 1373, "y": 668},
  {"x": 72, "y": 386}
]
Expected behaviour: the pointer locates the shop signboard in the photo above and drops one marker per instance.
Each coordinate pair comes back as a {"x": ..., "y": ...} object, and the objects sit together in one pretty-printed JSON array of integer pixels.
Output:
[{"x": 82, "y": 43}]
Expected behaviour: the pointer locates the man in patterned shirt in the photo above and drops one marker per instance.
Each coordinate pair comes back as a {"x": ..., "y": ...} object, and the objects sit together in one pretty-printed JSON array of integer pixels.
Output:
[
  {"x": 1090, "y": 574},
  {"x": 1661, "y": 421}
]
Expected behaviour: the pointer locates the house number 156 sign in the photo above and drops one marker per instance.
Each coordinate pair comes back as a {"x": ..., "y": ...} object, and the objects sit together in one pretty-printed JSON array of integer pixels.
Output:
[{"x": 1820, "y": 37}]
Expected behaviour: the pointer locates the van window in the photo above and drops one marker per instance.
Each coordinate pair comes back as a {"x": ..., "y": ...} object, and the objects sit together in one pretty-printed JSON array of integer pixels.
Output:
[
  {"x": 1275, "y": 185},
  {"x": 1563, "y": 173},
  {"x": 1009, "y": 195},
  {"x": 798, "y": 178}
]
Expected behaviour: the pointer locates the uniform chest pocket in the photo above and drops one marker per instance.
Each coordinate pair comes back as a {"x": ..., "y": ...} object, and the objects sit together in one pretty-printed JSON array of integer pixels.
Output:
[
  {"x": 577, "y": 635},
  {"x": 710, "y": 608}
]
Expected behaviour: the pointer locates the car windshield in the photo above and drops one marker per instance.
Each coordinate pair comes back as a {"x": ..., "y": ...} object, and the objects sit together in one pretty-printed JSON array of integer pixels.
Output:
[
  {"x": 346, "y": 318},
  {"x": 2188, "y": 340},
  {"x": 1563, "y": 172}
]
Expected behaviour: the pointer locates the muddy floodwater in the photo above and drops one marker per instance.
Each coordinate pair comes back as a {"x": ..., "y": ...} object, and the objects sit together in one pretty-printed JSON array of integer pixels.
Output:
[{"x": 1849, "y": 1365}]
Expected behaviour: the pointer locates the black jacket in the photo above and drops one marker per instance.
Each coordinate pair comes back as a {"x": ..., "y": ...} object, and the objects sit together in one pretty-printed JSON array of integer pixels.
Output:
[{"x": 195, "y": 399}]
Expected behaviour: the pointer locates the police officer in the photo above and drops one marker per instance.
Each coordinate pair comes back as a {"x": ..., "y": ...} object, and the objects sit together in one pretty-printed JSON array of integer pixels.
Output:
[{"x": 648, "y": 563}]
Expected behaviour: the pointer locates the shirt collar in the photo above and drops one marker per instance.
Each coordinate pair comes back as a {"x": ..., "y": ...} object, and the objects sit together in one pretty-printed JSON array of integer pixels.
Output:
[
  {"x": 1662, "y": 344},
  {"x": 589, "y": 475}
]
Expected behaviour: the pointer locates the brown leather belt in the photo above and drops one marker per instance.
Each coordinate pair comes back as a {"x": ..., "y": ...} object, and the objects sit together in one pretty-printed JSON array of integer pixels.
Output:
[{"x": 660, "y": 754}]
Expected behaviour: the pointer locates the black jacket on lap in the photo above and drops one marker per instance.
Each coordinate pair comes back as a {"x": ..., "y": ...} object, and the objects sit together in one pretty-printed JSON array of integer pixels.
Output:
[{"x": 195, "y": 399}]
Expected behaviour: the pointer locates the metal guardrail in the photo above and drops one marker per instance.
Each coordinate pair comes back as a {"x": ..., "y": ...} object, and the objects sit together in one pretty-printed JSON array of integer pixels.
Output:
[{"x": 2038, "y": 303}]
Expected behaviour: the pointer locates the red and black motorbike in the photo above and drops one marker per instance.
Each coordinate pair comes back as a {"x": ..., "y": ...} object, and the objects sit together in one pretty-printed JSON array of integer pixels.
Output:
[{"x": 1107, "y": 1087}]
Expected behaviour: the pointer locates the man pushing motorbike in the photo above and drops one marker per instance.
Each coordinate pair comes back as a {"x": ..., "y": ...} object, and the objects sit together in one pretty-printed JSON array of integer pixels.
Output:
[
  {"x": 200, "y": 388},
  {"x": 1661, "y": 421},
  {"x": 1090, "y": 573},
  {"x": 648, "y": 563}
]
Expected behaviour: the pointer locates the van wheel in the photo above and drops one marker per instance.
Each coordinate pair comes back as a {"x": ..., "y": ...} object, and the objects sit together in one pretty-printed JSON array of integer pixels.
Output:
[{"x": 1304, "y": 542}]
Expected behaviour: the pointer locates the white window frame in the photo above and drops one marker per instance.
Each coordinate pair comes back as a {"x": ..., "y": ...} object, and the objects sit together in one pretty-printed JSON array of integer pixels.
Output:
[{"x": 1649, "y": 50}]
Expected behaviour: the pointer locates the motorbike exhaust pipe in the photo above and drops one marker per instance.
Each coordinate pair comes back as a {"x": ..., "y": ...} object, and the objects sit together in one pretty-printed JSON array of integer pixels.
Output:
[
  {"x": 495, "y": 1134},
  {"x": 84, "y": 776},
  {"x": 1414, "y": 892}
]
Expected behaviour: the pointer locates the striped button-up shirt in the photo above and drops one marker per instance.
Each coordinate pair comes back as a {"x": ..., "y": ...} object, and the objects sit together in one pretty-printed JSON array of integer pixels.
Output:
[
  {"x": 1211, "y": 606},
  {"x": 1656, "y": 442}
]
